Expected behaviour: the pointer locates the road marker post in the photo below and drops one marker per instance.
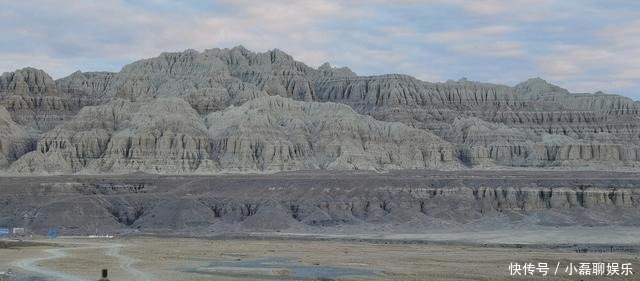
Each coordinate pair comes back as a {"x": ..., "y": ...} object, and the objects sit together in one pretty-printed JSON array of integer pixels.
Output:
[{"x": 104, "y": 275}]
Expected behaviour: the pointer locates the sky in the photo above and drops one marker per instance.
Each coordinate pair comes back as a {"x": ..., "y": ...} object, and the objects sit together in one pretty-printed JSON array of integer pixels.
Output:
[{"x": 581, "y": 45}]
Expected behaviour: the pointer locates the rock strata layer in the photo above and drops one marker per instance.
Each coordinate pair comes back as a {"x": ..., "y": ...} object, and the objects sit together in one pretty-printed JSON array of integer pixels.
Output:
[{"x": 405, "y": 202}]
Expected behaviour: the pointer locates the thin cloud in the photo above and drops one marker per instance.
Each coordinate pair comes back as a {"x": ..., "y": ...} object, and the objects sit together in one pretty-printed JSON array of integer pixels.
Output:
[
  {"x": 468, "y": 34},
  {"x": 491, "y": 49},
  {"x": 491, "y": 41},
  {"x": 611, "y": 63}
]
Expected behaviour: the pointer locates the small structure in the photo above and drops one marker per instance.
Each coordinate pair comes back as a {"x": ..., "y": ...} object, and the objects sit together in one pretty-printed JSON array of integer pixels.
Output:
[
  {"x": 18, "y": 231},
  {"x": 4, "y": 232},
  {"x": 105, "y": 236},
  {"x": 104, "y": 275},
  {"x": 53, "y": 233}
]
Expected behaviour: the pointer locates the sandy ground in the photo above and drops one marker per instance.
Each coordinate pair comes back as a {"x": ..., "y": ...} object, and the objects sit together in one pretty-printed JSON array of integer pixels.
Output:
[
  {"x": 71, "y": 260},
  {"x": 529, "y": 235},
  {"x": 173, "y": 259}
]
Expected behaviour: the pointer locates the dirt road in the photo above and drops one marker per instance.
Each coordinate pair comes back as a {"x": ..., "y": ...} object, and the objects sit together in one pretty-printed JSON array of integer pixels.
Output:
[
  {"x": 111, "y": 249},
  {"x": 126, "y": 263}
]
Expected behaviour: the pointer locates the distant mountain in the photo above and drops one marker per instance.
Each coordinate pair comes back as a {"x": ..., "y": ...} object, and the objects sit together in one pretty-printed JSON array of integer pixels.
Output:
[{"x": 233, "y": 110}]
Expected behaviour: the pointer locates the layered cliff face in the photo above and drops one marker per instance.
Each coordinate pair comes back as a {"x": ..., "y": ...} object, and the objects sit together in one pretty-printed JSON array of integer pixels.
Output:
[
  {"x": 87, "y": 88},
  {"x": 398, "y": 202},
  {"x": 275, "y": 72},
  {"x": 532, "y": 124},
  {"x": 236, "y": 110},
  {"x": 601, "y": 103},
  {"x": 73, "y": 144},
  {"x": 15, "y": 141},
  {"x": 485, "y": 143},
  {"x": 34, "y": 100},
  {"x": 280, "y": 134},
  {"x": 27, "y": 81},
  {"x": 166, "y": 135}
]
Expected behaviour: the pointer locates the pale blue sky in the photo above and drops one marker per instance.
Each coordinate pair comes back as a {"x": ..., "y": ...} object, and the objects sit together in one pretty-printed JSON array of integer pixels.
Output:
[{"x": 582, "y": 45}]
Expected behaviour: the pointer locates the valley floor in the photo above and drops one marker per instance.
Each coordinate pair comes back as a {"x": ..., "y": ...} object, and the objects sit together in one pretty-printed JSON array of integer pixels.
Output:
[
  {"x": 401, "y": 225},
  {"x": 186, "y": 259}
]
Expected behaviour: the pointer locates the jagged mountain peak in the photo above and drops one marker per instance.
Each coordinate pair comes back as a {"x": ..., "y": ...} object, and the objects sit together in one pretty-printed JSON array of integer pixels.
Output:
[
  {"x": 27, "y": 81},
  {"x": 330, "y": 71},
  {"x": 538, "y": 86},
  {"x": 535, "y": 80},
  {"x": 240, "y": 48},
  {"x": 27, "y": 70},
  {"x": 325, "y": 66}
]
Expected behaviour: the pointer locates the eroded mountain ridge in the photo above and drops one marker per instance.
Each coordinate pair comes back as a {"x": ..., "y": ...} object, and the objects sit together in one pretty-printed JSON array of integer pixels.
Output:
[{"x": 233, "y": 110}]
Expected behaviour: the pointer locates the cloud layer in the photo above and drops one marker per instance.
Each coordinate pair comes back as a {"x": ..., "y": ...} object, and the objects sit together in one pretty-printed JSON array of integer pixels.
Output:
[{"x": 584, "y": 45}]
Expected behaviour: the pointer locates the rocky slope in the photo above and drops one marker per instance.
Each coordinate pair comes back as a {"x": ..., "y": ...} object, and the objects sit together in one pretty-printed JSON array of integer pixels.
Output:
[
  {"x": 15, "y": 141},
  {"x": 35, "y": 101},
  {"x": 585, "y": 128},
  {"x": 233, "y": 110},
  {"x": 315, "y": 202},
  {"x": 280, "y": 134},
  {"x": 265, "y": 134}
]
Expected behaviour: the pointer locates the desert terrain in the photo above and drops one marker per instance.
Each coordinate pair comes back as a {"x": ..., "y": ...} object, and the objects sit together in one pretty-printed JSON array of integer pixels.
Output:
[
  {"x": 232, "y": 164},
  {"x": 188, "y": 259},
  {"x": 233, "y": 110},
  {"x": 312, "y": 225},
  {"x": 142, "y": 137}
]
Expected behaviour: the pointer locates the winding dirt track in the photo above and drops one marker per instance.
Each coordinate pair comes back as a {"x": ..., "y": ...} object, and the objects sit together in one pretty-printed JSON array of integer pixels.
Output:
[
  {"x": 126, "y": 263},
  {"x": 111, "y": 249}
]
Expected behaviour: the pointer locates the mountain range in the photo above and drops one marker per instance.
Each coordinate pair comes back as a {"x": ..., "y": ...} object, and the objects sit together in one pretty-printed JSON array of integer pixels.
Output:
[{"x": 234, "y": 110}]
